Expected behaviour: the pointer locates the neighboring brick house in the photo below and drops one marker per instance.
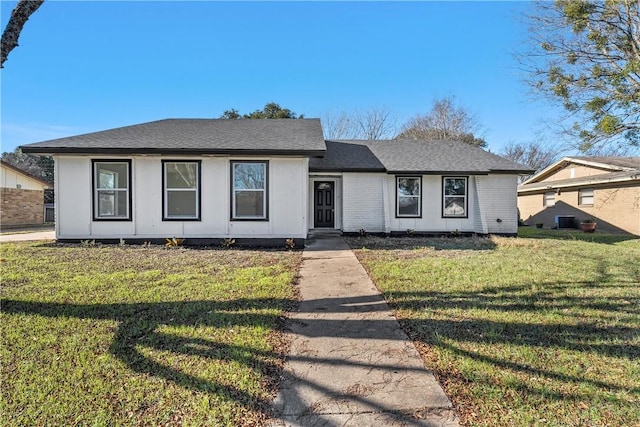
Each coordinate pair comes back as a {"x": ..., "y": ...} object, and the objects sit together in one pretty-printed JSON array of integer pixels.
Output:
[
  {"x": 21, "y": 197},
  {"x": 606, "y": 189}
]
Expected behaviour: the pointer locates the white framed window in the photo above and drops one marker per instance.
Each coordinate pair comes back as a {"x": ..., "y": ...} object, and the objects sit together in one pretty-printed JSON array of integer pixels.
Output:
[
  {"x": 408, "y": 196},
  {"x": 454, "y": 197},
  {"x": 585, "y": 197},
  {"x": 549, "y": 199},
  {"x": 249, "y": 183},
  {"x": 181, "y": 190},
  {"x": 111, "y": 190}
]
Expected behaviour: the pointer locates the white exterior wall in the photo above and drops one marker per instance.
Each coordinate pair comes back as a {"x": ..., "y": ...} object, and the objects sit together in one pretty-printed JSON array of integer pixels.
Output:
[
  {"x": 287, "y": 201},
  {"x": 499, "y": 196},
  {"x": 432, "y": 220},
  {"x": 370, "y": 204},
  {"x": 363, "y": 202},
  {"x": 12, "y": 179}
]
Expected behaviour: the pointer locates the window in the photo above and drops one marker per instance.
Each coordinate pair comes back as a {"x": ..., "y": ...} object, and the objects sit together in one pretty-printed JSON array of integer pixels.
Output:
[
  {"x": 585, "y": 197},
  {"x": 454, "y": 193},
  {"x": 549, "y": 199},
  {"x": 249, "y": 190},
  {"x": 408, "y": 196},
  {"x": 111, "y": 189},
  {"x": 181, "y": 190}
]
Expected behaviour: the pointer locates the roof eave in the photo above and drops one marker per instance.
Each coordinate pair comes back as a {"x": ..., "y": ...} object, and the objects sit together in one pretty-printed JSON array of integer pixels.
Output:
[
  {"x": 551, "y": 186},
  {"x": 557, "y": 165},
  {"x": 360, "y": 170},
  {"x": 169, "y": 151}
]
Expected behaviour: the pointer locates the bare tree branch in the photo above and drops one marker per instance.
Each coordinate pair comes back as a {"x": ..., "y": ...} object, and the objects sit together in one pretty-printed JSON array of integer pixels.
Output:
[
  {"x": 339, "y": 126},
  {"x": 19, "y": 16},
  {"x": 535, "y": 155},
  {"x": 375, "y": 123}
]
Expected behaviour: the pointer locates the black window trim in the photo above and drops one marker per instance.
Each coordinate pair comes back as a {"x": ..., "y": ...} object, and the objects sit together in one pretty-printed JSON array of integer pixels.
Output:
[
  {"x": 466, "y": 196},
  {"x": 94, "y": 190},
  {"x": 198, "y": 216},
  {"x": 232, "y": 190},
  {"x": 419, "y": 177}
]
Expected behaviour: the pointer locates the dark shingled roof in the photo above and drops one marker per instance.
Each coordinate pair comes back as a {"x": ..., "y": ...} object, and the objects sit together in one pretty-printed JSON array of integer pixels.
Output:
[
  {"x": 343, "y": 156},
  {"x": 409, "y": 156},
  {"x": 282, "y": 137},
  {"x": 196, "y": 136}
]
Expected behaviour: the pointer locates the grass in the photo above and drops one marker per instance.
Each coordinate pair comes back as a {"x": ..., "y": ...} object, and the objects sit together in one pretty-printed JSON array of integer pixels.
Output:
[
  {"x": 543, "y": 329},
  {"x": 111, "y": 335}
]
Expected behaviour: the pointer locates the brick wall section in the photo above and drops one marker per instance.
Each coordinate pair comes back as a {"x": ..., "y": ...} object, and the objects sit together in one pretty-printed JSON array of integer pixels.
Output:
[
  {"x": 21, "y": 207},
  {"x": 615, "y": 209},
  {"x": 363, "y": 202},
  {"x": 497, "y": 196}
]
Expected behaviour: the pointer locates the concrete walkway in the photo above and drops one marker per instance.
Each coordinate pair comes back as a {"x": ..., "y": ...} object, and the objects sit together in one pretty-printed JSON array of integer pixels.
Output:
[
  {"x": 350, "y": 364},
  {"x": 35, "y": 235}
]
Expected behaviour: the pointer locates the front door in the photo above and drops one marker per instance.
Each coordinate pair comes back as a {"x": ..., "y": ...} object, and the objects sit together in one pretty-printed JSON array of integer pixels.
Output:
[{"x": 323, "y": 205}]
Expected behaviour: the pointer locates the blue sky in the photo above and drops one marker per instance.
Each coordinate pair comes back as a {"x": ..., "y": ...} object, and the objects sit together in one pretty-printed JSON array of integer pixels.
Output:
[{"x": 88, "y": 66}]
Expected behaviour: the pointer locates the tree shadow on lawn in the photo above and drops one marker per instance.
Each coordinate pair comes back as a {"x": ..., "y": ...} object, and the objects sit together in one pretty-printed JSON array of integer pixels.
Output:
[
  {"x": 577, "y": 333},
  {"x": 139, "y": 323}
]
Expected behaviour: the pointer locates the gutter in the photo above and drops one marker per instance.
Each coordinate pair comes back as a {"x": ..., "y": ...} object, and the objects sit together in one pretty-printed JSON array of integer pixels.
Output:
[{"x": 551, "y": 185}]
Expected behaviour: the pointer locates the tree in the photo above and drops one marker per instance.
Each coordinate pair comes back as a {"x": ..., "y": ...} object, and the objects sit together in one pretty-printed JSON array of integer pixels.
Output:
[
  {"x": 533, "y": 154},
  {"x": 373, "y": 124},
  {"x": 445, "y": 121},
  {"x": 586, "y": 55},
  {"x": 19, "y": 16},
  {"x": 340, "y": 126},
  {"x": 232, "y": 114},
  {"x": 38, "y": 166},
  {"x": 270, "y": 111}
]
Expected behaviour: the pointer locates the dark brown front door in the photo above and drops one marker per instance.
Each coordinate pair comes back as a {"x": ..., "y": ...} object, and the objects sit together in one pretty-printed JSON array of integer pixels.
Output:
[{"x": 323, "y": 205}]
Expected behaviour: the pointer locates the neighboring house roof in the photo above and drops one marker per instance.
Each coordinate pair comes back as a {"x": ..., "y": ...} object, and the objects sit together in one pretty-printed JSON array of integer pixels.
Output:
[
  {"x": 611, "y": 161},
  {"x": 409, "y": 156},
  {"x": 25, "y": 173},
  {"x": 601, "y": 179},
  {"x": 614, "y": 170},
  {"x": 200, "y": 136},
  {"x": 607, "y": 164}
]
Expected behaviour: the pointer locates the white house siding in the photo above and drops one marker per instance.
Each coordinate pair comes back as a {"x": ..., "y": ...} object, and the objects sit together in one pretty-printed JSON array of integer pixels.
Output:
[
  {"x": 499, "y": 201},
  {"x": 431, "y": 220},
  {"x": 363, "y": 202},
  {"x": 12, "y": 179},
  {"x": 370, "y": 204},
  {"x": 287, "y": 199}
]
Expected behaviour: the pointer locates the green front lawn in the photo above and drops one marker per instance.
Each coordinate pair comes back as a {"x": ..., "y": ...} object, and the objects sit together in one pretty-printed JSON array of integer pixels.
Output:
[
  {"x": 110, "y": 335},
  {"x": 535, "y": 330}
]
